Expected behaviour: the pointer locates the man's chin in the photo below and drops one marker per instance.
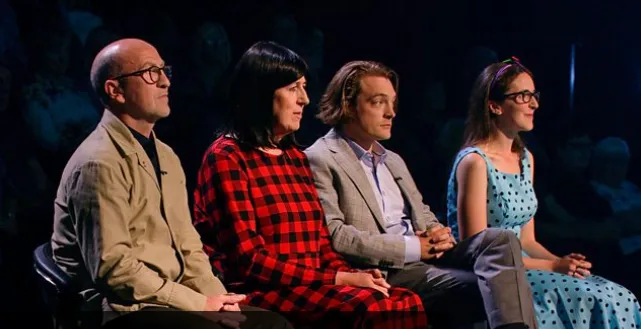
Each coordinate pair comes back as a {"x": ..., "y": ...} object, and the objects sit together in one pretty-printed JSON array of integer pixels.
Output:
[
  {"x": 383, "y": 137},
  {"x": 163, "y": 113}
]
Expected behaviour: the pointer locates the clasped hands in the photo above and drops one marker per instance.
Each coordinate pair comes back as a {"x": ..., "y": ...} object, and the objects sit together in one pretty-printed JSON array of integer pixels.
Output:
[
  {"x": 573, "y": 265},
  {"x": 435, "y": 241}
]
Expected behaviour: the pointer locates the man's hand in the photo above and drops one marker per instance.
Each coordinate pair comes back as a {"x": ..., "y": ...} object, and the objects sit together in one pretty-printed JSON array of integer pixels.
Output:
[
  {"x": 224, "y": 309},
  {"x": 442, "y": 233},
  {"x": 435, "y": 241}
]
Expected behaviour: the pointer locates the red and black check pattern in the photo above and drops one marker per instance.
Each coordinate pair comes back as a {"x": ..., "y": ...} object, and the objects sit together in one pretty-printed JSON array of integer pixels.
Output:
[{"x": 263, "y": 227}]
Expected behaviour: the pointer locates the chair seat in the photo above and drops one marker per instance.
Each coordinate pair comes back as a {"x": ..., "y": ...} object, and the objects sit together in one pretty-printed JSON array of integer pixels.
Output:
[
  {"x": 58, "y": 293},
  {"x": 49, "y": 271}
]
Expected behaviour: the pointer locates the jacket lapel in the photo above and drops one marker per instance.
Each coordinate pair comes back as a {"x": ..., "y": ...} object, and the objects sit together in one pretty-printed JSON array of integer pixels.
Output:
[
  {"x": 125, "y": 141},
  {"x": 164, "y": 175},
  {"x": 147, "y": 166},
  {"x": 347, "y": 160}
]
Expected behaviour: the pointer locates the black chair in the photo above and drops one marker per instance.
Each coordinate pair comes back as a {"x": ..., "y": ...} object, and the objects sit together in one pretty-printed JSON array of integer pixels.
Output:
[{"x": 58, "y": 293}]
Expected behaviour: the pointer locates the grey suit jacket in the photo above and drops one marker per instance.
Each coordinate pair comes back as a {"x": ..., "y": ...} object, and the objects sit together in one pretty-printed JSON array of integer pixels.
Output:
[{"x": 355, "y": 221}]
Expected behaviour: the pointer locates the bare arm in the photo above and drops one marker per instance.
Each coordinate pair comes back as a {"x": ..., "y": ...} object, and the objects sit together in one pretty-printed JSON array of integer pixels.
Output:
[
  {"x": 471, "y": 177},
  {"x": 542, "y": 259}
]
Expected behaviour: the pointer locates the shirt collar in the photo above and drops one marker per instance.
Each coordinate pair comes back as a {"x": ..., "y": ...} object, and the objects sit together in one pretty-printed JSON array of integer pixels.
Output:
[
  {"x": 378, "y": 151},
  {"x": 122, "y": 135},
  {"x": 142, "y": 139}
]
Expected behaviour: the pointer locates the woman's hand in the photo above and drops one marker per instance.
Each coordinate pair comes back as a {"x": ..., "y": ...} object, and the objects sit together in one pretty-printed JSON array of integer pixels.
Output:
[{"x": 573, "y": 265}]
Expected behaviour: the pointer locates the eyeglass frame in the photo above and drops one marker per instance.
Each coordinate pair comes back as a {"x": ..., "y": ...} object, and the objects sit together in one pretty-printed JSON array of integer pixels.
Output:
[
  {"x": 513, "y": 60},
  {"x": 166, "y": 70},
  {"x": 536, "y": 94}
]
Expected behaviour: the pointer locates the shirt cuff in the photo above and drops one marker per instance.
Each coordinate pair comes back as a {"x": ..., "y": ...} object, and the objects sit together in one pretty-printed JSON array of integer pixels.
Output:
[{"x": 412, "y": 249}]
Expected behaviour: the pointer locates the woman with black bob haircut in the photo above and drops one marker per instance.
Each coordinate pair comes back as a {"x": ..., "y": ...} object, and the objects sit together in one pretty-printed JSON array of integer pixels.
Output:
[{"x": 263, "y": 69}]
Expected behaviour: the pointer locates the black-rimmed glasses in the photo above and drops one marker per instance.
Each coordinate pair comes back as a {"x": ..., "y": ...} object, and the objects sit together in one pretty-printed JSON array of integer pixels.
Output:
[
  {"x": 523, "y": 97},
  {"x": 149, "y": 75}
]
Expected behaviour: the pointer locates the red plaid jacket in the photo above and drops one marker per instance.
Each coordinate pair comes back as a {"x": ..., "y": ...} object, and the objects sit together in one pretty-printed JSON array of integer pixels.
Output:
[{"x": 261, "y": 220}]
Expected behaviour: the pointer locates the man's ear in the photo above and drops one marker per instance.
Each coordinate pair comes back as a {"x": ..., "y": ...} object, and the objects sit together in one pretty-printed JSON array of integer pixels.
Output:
[{"x": 114, "y": 91}]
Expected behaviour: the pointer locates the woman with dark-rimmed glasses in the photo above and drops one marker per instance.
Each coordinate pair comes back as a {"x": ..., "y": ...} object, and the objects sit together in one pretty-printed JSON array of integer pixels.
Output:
[{"x": 491, "y": 185}]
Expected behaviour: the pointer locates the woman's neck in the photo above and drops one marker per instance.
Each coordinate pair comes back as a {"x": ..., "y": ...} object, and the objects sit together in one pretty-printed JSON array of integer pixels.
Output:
[
  {"x": 500, "y": 142},
  {"x": 271, "y": 150}
]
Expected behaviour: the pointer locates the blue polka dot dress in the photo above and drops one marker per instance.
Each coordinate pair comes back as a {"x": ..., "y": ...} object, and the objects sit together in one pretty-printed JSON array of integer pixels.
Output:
[{"x": 560, "y": 301}]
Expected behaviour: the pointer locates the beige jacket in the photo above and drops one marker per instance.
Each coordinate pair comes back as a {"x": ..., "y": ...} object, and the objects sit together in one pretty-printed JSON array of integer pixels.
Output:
[{"x": 110, "y": 234}]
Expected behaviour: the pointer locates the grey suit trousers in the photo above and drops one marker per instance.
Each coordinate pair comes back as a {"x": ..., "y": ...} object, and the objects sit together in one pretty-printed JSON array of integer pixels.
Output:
[{"x": 482, "y": 277}]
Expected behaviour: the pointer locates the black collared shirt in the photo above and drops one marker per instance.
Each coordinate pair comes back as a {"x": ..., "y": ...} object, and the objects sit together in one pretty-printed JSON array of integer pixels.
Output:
[{"x": 149, "y": 145}]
